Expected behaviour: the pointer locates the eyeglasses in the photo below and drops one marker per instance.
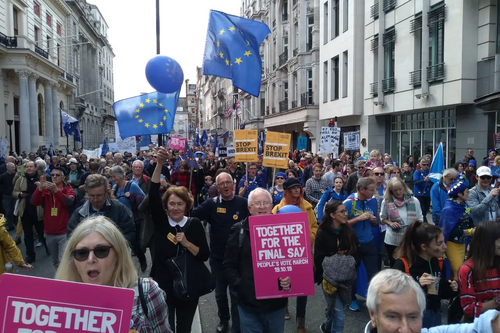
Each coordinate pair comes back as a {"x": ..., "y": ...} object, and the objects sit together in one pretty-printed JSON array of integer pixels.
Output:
[
  {"x": 281, "y": 178},
  {"x": 378, "y": 173},
  {"x": 225, "y": 184},
  {"x": 96, "y": 197},
  {"x": 55, "y": 176},
  {"x": 101, "y": 252},
  {"x": 343, "y": 211},
  {"x": 485, "y": 177},
  {"x": 262, "y": 204},
  {"x": 361, "y": 167}
]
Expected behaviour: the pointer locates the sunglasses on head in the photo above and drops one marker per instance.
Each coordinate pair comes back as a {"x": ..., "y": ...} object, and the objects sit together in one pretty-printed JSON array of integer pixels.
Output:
[
  {"x": 101, "y": 252},
  {"x": 485, "y": 177}
]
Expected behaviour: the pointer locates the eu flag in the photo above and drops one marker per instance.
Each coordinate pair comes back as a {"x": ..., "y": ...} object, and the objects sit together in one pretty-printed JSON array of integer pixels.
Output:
[
  {"x": 437, "y": 166},
  {"x": 104, "y": 148},
  {"x": 232, "y": 50},
  {"x": 70, "y": 124},
  {"x": 190, "y": 157},
  {"x": 147, "y": 114},
  {"x": 143, "y": 140},
  {"x": 204, "y": 138}
]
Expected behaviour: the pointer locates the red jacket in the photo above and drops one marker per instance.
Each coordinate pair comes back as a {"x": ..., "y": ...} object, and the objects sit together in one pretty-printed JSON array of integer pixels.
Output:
[{"x": 62, "y": 201}]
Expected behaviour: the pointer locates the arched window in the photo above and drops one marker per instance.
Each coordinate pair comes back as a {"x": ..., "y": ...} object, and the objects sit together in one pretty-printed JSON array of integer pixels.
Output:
[{"x": 40, "y": 114}]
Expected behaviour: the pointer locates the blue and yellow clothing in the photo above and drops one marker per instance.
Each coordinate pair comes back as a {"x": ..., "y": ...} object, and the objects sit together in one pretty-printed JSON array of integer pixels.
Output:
[
  {"x": 455, "y": 218},
  {"x": 421, "y": 188},
  {"x": 355, "y": 208},
  {"x": 257, "y": 181},
  {"x": 277, "y": 195}
]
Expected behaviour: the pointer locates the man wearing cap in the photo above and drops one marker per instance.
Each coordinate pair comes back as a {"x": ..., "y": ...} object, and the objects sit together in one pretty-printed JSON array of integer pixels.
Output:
[
  {"x": 57, "y": 199},
  {"x": 483, "y": 201},
  {"x": 470, "y": 173},
  {"x": 490, "y": 160},
  {"x": 222, "y": 212},
  {"x": 439, "y": 193},
  {"x": 294, "y": 195},
  {"x": 75, "y": 174}
]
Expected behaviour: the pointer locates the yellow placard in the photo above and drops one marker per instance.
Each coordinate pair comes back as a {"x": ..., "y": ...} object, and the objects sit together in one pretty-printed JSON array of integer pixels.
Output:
[
  {"x": 276, "y": 150},
  {"x": 245, "y": 145}
]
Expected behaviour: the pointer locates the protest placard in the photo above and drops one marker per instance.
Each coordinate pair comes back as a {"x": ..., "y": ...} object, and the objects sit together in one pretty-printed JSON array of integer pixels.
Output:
[
  {"x": 329, "y": 142},
  {"x": 182, "y": 144},
  {"x": 124, "y": 145},
  {"x": 245, "y": 149},
  {"x": 3, "y": 147},
  {"x": 221, "y": 152},
  {"x": 281, "y": 248},
  {"x": 230, "y": 151},
  {"x": 302, "y": 142},
  {"x": 174, "y": 142},
  {"x": 276, "y": 150},
  {"x": 54, "y": 306},
  {"x": 351, "y": 141}
]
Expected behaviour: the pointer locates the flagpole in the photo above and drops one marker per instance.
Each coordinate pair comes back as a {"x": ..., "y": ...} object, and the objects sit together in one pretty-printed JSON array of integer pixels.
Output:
[{"x": 160, "y": 136}]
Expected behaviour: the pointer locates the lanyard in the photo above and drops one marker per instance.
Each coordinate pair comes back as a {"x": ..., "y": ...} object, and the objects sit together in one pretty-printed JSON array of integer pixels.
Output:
[{"x": 430, "y": 267}]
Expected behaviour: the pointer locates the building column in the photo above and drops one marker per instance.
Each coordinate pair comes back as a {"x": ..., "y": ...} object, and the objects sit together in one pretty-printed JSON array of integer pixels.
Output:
[
  {"x": 3, "y": 117},
  {"x": 56, "y": 114},
  {"x": 35, "y": 136},
  {"x": 24, "y": 112},
  {"x": 48, "y": 112}
]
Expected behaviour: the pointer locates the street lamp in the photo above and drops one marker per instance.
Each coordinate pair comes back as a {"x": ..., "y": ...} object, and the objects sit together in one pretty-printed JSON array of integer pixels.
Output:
[
  {"x": 10, "y": 122},
  {"x": 81, "y": 137}
]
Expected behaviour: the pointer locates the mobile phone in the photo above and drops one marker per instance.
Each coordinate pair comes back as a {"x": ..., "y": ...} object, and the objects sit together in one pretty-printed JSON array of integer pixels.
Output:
[{"x": 161, "y": 177}]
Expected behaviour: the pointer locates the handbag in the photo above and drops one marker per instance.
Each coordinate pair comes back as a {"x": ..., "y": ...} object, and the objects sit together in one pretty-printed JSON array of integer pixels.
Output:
[
  {"x": 16, "y": 208},
  {"x": 191, "y": 278}
]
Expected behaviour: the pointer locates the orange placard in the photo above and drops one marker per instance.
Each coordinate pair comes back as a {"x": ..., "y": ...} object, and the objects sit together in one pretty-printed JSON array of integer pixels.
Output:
[
  {"x": 276, "y": 150},
  {"x": 245, "y": 145}
]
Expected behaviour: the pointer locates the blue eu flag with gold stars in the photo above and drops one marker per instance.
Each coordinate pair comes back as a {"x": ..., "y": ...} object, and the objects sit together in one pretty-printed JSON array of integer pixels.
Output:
[
  {"x": 147, "y": 114},
  {"x": 232, "y": 50}
]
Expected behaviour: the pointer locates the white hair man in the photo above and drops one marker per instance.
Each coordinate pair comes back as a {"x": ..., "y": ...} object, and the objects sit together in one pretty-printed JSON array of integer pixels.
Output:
[
  {"x": 396, "y": 303},
  {"x": 439, "y": 192}
]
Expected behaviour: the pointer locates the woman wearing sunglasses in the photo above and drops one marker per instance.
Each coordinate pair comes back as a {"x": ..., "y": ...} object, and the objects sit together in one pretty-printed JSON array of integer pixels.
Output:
[
  {"x": 97, "y": 253},
  {"x": 171, "y": 238},
  {"x": 277, "y": 191}
]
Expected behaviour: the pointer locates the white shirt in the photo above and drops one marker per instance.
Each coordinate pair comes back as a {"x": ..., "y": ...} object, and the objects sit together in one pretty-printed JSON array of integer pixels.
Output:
[{"x": 181, "y": 224}]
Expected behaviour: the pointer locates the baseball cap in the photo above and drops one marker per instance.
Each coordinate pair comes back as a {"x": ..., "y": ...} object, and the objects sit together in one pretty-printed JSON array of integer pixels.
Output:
[
  {"x": 483, "y": 171},
  {"x": 291, "y": 182},
  {"x": 73, "y": 160},
  {"x": 491, "y": 150}
]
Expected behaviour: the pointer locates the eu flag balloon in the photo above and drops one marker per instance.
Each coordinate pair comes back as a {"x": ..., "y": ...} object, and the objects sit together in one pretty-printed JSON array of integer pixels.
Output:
[{"x": 164, "y": 74}]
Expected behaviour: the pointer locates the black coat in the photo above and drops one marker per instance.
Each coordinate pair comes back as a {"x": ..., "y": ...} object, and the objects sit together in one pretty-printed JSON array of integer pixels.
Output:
[{"x": 238, "y": 268}]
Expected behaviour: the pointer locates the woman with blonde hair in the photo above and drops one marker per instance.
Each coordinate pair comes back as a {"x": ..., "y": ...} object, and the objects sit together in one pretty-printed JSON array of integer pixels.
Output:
[
  {"x": 97, "y": 253},
  {"x": 398, "y": 210},
  {"x": 375, "y": 160}
]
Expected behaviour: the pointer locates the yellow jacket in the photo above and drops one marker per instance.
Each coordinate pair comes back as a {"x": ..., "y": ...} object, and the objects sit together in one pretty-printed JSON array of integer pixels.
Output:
[
  {"x": 305, "y": 207},
  {"x": 8, "y": 249}
]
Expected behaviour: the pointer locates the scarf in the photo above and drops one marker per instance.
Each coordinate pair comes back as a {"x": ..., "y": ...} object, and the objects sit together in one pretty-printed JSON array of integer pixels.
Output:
[{"x": 392, "y": 209}]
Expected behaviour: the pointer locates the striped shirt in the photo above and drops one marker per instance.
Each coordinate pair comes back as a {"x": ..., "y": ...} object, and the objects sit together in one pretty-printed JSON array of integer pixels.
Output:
[{"x": 313, "y": 189}]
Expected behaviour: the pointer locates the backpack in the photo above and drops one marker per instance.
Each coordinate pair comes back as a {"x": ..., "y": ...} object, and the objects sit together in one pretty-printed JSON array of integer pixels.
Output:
[{"x": 407, "y": 267}]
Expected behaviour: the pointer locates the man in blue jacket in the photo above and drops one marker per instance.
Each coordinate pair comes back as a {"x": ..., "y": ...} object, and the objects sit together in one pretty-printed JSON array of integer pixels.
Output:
[
  {"x": 362, "y": 213},
  {"x": 439, "y": 193},
  {"x": 422, "y": 185},
  {"x": 254, "y": 180}
]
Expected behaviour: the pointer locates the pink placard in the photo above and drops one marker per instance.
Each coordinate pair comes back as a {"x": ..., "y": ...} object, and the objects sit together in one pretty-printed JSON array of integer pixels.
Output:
[
  {"x": 174, "y": 142},
  {"x": 37, "y": 305},
  {"x": 281, "y": 248},
  {"x": 182, "y": 144}
]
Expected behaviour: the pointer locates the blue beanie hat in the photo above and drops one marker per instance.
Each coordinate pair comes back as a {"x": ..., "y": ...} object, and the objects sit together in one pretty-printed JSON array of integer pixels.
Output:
[
  {"x": 472, "y": 163},
  {"x": 457, "y": 188},
  {"x": 280, "y": 174}
]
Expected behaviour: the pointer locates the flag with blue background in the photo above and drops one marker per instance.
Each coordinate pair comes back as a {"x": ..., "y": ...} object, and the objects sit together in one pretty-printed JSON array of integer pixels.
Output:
[
  {"x": 143, "y": 140},
  {"x": 148, "y": 114},
  {"x": 204, "y": 138},
  {"x": 437, "y": 166},
  {"x": 232, "y": 50},
  {"x": 70, "y": 124}
]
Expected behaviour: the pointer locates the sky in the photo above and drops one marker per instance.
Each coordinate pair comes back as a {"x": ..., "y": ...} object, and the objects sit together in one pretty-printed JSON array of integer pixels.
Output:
[{"x": 132, "y": 34}]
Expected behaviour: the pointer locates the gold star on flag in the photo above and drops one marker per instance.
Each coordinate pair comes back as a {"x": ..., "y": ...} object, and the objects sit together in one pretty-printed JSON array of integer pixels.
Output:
[
  {"x": 221, "y": 31},
  {"x": 141, "y": 105},
  {"x": 160, "y": 104},
  {"x": 138, "y": 110},
  {"x": 148, "y": 100},
  {"x": 218, "y": 44},
  {"x": 137, "y": 116},
  {"x": 155, "y": 126},
  {"x": 167, "y": 64},
  {"x": 147, "y": 125},
  {"x": 161, "y": 123},
  {"x": 227, "y": 62},
  {"x": 140, "y": 120},
  {"x": 155, "y": 101},
  {"x": 166, "y": 110},
  {"x": 164, "y": 118},
  {"x": 168, "y": 70},
  {"x": 238, "y": 61},
  {"x": 221, "y": 55},
  {"x": 169, "y": 75},
  {"x": 248, "y": 43},
  {"x": 248, "y": 53},
  {"x": 231, "y": 29}
]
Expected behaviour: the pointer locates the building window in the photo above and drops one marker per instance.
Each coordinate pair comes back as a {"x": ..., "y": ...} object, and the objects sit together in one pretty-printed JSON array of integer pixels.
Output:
[
  {"x": 498, "y": 29},
  {"x": 37, "y": 36},
  {"x": 325, "y": 23},
  {"x": 389, "y": 41},
  {"x": 36, "y": 9},
  {"x": 310, "y": 27},
  {"x": 435, "y": 71},
  {"x": 416, "y": 29},
  {"x": 295, "y": 88},
  {"x": 335, "y": 18},
  {"x": 75, "y": 59},
  {"x": 262, "y": 61},
  {"x": 58, "y": 50},
  {"x": 296, "y": 29},
  {"x": 48, "y": 43},
  {"x": 15, "y": 21},
  {"x": 285, "y": 11},
  {"x": 40, "y": 115},
  {"x": 59, "y": 29},
  {"x": 325, "y": 82},
  {"x": 334, "y": 94},
  {"x": 345, "y": 73},
  {"x": 345, "y": 18},
  {"x": 389, "y": 5},
  {"x": 49, "y": 19},
  {"x": 418, "y": 134},
  {"x": 285, "y": 45}
]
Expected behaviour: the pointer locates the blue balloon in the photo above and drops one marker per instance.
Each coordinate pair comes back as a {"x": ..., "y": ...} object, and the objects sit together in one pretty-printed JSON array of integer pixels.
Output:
[
  {"x": 289, "y": 209},
  {"x": 164, "y": 74}
]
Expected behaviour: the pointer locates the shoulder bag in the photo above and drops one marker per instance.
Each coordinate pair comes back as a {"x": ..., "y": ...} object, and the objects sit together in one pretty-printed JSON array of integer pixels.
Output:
[{"x": 191, "y": 278}]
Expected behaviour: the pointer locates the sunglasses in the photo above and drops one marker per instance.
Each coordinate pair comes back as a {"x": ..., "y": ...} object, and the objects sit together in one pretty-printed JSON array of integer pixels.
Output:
[
  {"x": 101, "y": 252},
  {"x": 55, "y": 176},
  {"x": 378, "y": 173},
  {"x": 280, "y": 178},
  {"x": 485, "y": 177}
]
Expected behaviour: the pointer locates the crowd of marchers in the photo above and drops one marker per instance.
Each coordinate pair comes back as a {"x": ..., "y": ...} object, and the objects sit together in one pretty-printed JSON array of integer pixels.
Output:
[{"x": 93, "y": 215}]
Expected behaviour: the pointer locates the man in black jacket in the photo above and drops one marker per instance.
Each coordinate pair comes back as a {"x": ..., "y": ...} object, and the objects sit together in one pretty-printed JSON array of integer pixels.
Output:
[
  {"x": 222, "y": 212},
  {"x": 268, "y": 315},
  {"x": 6, "y": 188},
  {"x": 99, "y": 203}
]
